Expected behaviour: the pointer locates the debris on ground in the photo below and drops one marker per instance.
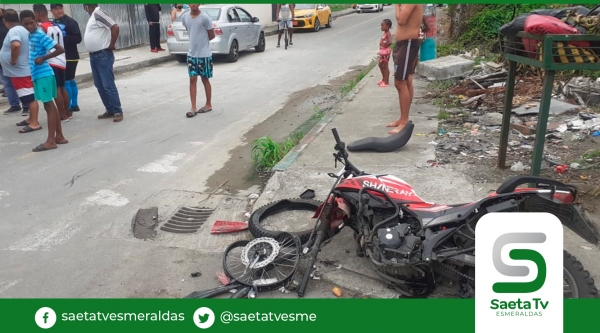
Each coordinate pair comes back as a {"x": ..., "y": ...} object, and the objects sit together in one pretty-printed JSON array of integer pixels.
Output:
[
  {"x": 196, "y": 274},
  {"x": 337, "y": 291},
  {"x": 223, "y": 278},
  {"x": 221, "y": 227}
]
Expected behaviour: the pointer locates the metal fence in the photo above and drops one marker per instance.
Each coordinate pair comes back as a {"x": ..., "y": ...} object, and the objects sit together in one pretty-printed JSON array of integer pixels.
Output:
[{"x": 133, "y": 27}]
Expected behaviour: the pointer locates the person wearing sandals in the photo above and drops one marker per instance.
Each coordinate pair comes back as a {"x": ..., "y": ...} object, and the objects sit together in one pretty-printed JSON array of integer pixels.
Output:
[
  {"x": 42, "y": 48},
  {"x": 14, "y": 58},
  {"x": 199, "y": 58}
]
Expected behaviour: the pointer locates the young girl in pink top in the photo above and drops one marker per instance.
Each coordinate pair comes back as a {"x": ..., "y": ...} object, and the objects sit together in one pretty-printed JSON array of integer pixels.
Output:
[{"x": 384, "y": 52}]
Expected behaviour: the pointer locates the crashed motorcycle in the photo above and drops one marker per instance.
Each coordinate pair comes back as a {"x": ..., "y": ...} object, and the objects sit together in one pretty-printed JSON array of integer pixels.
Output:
[{"x": 413, "y": 244}]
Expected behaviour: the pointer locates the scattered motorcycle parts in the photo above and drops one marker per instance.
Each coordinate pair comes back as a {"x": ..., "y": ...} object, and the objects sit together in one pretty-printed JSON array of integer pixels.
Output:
[
  {"x": 257, "y": 229},
  {"x": 223, "y": 227},
  {"x": 308, "y": 194}
]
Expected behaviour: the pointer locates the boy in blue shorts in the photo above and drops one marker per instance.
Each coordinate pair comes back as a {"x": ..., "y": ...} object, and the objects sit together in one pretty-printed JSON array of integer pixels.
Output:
[{"x": 44, "y": 82}]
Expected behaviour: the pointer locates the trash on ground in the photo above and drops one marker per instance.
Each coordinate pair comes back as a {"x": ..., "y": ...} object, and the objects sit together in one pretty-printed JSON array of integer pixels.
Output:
[
  {"x": 221, "y": 227},
  {"x": 337, "y": 291},
  {"x": 196, "y": 274}
]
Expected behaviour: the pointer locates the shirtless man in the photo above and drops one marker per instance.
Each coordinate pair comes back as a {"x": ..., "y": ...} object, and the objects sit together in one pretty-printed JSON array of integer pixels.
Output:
[{"x": 405, "y": 55}]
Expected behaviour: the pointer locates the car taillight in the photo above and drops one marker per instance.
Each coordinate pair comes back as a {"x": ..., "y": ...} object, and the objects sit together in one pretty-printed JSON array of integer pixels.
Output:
[
  {"x": 170, "y": 31},
  {"x": 218, "y": 30}
]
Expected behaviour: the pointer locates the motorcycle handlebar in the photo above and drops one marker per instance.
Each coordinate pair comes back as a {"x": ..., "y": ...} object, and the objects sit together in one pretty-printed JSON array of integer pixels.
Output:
[{"x": 336, "y": 136}]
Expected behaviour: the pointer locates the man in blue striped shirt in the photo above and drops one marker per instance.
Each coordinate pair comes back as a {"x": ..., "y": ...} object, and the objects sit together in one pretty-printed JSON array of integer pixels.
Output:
[{"x": 44, "y": 82}]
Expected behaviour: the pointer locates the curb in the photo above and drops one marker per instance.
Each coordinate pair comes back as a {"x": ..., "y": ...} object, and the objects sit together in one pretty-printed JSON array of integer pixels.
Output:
[
  {"x": 334, "y": 15},
  {"x": 291, "y": 156},
  {"x": 84, "y": 78}
]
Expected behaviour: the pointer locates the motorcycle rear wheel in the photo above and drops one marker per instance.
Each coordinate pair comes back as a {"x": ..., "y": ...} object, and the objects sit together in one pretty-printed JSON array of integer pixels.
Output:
[{"x": 577, "y": 279}]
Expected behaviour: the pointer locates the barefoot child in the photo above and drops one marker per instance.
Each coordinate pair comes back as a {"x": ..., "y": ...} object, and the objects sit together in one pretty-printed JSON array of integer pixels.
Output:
[
  {"x": 44, "y": 82},
  {"x": 384, "y": 52}
]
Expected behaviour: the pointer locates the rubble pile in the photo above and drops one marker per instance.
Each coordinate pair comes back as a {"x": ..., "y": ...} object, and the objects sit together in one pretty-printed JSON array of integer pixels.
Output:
[{"x": 572, "y": 141}]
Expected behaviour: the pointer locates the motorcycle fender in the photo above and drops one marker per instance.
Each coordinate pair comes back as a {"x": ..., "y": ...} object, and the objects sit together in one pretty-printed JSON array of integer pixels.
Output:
[{"x": 569, "y": 215}]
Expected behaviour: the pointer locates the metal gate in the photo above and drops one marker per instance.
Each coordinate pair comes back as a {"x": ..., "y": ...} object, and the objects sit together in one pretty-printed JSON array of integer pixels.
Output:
[{"x": 133, "y": 27}]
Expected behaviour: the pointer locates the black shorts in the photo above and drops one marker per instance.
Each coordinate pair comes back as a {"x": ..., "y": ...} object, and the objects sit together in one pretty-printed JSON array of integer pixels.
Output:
[
  {"x": 60, "y": 75},
  {"x": 71, "y": 67},
  {"x": 405, "y": 55}
]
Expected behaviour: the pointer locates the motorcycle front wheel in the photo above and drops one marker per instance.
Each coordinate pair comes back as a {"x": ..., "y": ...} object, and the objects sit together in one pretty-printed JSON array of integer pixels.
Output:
[{"x": 577, "y": 282}]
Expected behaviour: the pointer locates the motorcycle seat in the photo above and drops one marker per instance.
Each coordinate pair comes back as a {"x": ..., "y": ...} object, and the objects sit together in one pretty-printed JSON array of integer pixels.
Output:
[{"x": 384, "y": 144}]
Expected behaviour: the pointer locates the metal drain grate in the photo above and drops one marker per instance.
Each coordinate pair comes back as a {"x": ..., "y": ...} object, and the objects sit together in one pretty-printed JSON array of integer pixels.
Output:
[{"x": 187, "y": 220}]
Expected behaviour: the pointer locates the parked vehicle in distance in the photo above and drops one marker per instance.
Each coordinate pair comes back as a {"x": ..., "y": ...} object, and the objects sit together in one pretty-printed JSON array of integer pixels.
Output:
[
  {"x": 235, "y": 31},
  {"x": 372, "y": 8},
  {"x": 312, "y": 16}
]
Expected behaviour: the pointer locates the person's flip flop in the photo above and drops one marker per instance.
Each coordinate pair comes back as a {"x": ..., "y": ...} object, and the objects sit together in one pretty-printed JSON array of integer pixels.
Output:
[
  {"x": 23, "y": 123},
  {"x": 28, "y": 129},
  {"x": 204, "y": 110},
  {"x": 191, "y": 114},
  {"x": 62, "y": 143},
  {"x": 41, "y": 148}
]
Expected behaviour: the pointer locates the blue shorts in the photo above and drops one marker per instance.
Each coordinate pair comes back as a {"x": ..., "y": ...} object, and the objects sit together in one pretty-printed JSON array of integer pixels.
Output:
[{"x": 202, "y": 67}]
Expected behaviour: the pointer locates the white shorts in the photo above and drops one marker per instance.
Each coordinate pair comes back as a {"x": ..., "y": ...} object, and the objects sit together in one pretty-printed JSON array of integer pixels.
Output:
[{"x": 282, "y": 24}]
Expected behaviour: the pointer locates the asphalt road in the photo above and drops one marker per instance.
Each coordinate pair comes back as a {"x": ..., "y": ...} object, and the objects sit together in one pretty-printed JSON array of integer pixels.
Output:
[{"x": 65, "y": 222}]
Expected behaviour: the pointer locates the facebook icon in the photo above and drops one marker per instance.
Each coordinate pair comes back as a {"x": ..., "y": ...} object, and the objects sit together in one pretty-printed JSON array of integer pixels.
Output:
[{"x": 45, "y": 317}]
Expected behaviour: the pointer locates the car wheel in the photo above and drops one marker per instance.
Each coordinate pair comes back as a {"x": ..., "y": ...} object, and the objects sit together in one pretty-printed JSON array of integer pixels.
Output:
[
  {"x": 234, "y": 52},
  {"x": 381, "y": 8},
  {"x": 330, "y": 22},
  {"x": 181, "y": 58},
  {"x": 317, "y": 25},
  {"x": 261, "y": 43}
]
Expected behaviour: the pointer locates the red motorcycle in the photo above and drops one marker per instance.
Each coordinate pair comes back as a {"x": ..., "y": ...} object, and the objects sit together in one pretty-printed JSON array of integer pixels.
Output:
[{"x": 414, "y": 244}]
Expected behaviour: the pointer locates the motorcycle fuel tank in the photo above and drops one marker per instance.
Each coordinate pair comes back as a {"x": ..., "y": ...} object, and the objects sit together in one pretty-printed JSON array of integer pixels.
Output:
[{"x": 395, "y": 187}]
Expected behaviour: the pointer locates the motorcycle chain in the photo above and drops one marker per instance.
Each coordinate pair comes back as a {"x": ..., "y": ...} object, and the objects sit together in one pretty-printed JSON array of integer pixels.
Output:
[{"x": 452, "y": 269}]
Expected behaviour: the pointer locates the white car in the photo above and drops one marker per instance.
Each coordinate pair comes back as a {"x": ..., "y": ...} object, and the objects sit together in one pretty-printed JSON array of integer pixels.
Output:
[
  {"x": 235, "y": 31},
  {"x": 373, "y": 8}
]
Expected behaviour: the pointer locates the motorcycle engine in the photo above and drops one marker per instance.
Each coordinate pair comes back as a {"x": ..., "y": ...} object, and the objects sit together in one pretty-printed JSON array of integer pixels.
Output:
[{"x": 397, "y": 243}]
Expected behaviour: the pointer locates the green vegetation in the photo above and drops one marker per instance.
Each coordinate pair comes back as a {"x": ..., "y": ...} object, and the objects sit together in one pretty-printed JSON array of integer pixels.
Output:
[
  {"x": 352, "y": 84},
  {"x": 266, "y": 153},
  {"x": 336, "y": 7}
]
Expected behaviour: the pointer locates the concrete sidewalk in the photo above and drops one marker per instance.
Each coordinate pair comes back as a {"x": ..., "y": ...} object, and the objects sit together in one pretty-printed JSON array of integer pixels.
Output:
[{"x": 365, "y": 114}]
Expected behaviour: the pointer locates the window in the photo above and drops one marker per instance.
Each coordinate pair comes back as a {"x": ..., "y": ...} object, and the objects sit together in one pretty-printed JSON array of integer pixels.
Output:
[
  {"x": 232, "y": 16},
  {"x": 244, "y": 15}
]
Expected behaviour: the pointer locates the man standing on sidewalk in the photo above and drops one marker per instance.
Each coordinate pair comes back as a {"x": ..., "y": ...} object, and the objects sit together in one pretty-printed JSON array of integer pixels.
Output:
[
  {"x": 199, "y": 58},
  {"x": 153, "y": 18},
  {"x": 100, "y": 39},
  {"x": 405, "y": 55},
  {"x": 71, "y": 37},
  {"x": 9, "y": 90}
]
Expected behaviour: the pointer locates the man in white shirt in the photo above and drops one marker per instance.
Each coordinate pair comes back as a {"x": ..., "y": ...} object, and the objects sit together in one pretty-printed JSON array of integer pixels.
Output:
[{"x": 100, "y": 39}]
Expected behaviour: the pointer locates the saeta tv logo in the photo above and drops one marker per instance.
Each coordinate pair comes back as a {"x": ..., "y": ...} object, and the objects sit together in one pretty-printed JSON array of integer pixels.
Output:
[
  {"x": 519, "y": 254},
  {"x": 518, "y": 272}
]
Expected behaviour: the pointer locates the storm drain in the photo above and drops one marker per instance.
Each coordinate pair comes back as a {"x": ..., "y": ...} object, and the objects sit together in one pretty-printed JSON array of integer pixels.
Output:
[{"x": 187, "y": 220}]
